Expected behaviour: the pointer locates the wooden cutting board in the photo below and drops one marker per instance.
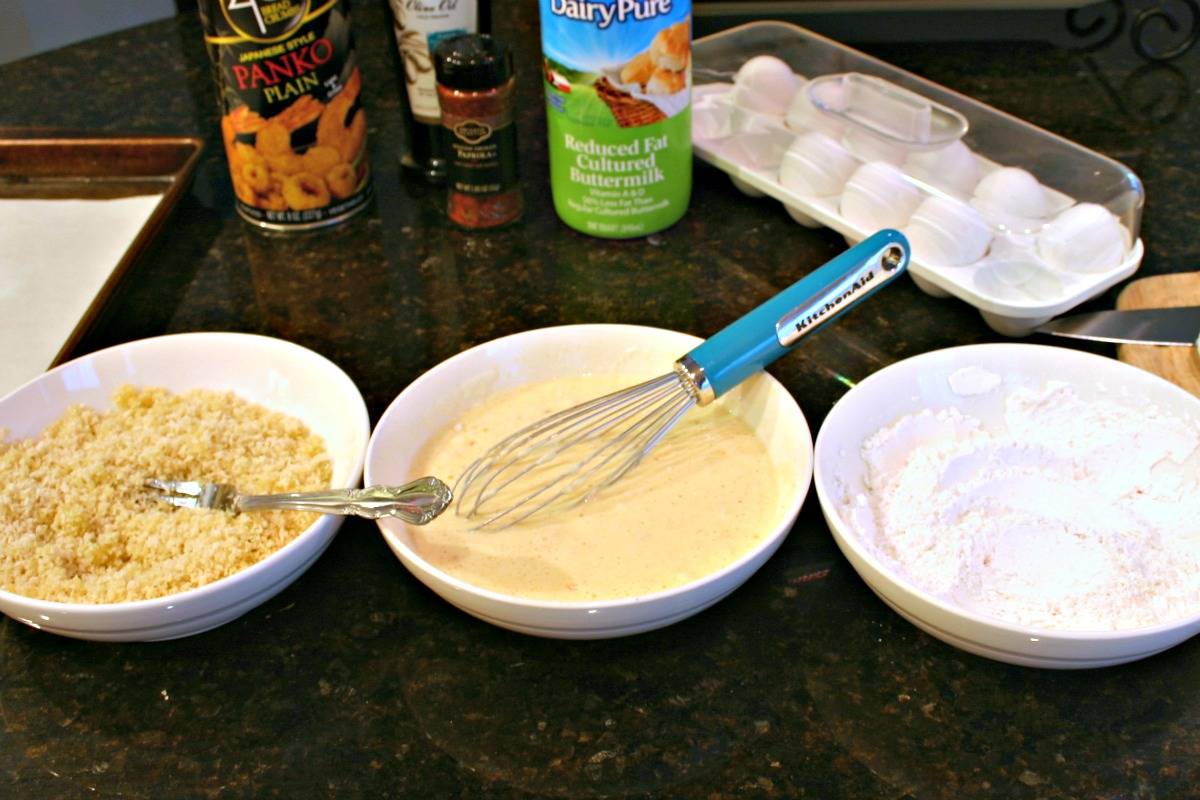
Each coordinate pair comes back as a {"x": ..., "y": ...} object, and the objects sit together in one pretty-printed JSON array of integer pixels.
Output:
[{"x": 1179, "y": 365}]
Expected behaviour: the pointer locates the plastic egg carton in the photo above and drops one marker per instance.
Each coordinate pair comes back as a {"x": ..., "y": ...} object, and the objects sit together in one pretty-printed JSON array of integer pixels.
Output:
[{"x": 1018, "y": 222}]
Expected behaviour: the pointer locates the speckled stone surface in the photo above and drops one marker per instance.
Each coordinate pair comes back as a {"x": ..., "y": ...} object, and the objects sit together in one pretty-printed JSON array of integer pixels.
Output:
[{"x": 357, "y": 681}]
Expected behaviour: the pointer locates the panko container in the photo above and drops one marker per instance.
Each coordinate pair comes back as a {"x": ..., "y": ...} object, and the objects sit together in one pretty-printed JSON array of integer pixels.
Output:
[{"x": 1013, "y": 219}]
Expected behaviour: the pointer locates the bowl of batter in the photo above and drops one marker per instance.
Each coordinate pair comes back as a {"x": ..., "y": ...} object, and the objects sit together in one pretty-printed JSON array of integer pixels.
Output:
[
  {"x": 1030, "y": 504},
  {"x": 688, "y": 525}
]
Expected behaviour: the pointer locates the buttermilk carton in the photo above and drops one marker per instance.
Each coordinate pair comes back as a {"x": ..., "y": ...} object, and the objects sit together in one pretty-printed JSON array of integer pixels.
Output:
[{"x": 617, "y": 77}]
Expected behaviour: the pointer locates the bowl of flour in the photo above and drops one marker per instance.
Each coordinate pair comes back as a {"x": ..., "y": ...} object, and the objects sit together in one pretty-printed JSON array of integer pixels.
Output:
[{"x": 1030, "y": 504}]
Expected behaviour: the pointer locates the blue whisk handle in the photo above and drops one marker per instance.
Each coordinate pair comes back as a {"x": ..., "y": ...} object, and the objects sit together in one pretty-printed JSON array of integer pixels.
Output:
[{"x": 763, "y": 335}]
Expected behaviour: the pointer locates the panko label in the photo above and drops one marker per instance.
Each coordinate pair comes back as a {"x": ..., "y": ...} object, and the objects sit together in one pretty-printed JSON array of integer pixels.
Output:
[
  {"x": 617, "y": 76},
  {"x": 292, "y": 125}
]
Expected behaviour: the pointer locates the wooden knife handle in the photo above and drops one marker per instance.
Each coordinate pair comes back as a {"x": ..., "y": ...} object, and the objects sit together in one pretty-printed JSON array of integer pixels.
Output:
[{"x": 1180, "y": 365}]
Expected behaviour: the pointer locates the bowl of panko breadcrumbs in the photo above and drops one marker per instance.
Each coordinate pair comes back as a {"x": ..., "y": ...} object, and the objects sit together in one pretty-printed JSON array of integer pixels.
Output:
[{"x": 86, "y": 552}]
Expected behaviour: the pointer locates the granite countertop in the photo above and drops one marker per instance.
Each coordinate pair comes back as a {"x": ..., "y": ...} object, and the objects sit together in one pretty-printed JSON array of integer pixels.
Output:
[{"x": 357, "y": 680}]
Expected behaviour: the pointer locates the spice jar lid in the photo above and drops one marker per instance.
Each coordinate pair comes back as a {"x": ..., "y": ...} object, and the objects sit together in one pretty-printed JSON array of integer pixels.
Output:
[{"x": 472, "y": 61}]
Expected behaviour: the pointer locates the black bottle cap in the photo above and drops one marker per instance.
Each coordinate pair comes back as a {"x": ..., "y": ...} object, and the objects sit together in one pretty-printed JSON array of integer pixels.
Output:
[{"x": 472, "y": 61}]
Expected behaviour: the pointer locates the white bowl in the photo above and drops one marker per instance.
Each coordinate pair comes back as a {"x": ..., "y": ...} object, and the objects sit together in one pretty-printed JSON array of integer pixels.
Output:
[
  {"x": 922, "y": 382},
  {"x": 442, "y": 395},
  {"x": 277, "y": 374}
]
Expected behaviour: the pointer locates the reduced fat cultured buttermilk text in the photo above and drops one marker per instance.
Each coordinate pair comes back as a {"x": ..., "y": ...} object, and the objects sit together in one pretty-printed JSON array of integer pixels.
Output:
[{"x": 590, "y": 169}]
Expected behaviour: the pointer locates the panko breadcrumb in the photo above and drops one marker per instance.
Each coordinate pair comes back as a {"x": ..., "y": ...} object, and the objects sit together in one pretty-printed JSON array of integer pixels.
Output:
[{"x": 77, "y": 526}]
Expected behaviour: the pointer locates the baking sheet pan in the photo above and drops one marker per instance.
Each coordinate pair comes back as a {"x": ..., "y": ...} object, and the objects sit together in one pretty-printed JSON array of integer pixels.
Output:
[{"x": 41, "y": 165}]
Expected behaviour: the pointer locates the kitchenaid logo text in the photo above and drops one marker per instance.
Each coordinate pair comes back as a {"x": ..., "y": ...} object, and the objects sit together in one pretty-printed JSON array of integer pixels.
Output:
[
  {"x": 807, "y": 321},
  {"x": 603, "y": 15}
]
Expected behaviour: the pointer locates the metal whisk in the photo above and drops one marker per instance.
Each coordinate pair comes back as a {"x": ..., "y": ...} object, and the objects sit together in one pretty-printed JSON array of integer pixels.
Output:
[{"x": 566, "y": 458}]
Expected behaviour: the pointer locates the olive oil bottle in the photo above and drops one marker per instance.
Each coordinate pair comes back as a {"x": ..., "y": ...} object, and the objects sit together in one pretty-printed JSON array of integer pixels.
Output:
[{"x": 418, "y": 26}]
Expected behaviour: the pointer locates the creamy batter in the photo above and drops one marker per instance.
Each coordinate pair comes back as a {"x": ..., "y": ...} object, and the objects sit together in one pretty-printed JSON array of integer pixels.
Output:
[{"x": 704, "y": 497}]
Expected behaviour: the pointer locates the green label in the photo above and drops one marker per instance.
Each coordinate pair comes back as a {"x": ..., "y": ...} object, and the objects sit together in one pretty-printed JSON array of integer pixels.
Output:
[{"x": 620, "y": 182}]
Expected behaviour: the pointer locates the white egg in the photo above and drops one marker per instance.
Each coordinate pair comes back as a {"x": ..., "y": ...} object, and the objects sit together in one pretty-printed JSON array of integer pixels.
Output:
[
  {"x": 1084, "y": 238},
  {"x": 763, "y": 123},
  {"x": 878, "y": 196},
  {"x": 1019, "y": 280},
  {"x": 1012, "y": 191},
  {"x": 815, "y": 165},
  {"x": 947, "y": 232},
  {"x": 766, "y": 84},
  {"x": 711, "y": 93},
  {"x": 761, "y": 151},
  {"x": 953, "y": 168},
  {"x": 802, "y": 115},
  {"x": 711, "y": 121},
  {"x": 746, "y": 188},
  {"x": 870, "y": 147},
  {"x": 804, "y": 218}
]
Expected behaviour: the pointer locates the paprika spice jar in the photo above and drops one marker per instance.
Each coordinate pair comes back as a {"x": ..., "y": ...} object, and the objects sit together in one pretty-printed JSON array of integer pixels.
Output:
[{"x": 475, "y": 85}]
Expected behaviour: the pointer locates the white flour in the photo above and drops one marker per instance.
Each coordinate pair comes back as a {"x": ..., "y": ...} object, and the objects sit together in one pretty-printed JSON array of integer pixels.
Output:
[{"x": 1069, "y": 514}]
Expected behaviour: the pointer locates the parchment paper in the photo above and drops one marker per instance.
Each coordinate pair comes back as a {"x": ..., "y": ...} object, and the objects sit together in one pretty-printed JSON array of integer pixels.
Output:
[{"x": 55, "y": 256}]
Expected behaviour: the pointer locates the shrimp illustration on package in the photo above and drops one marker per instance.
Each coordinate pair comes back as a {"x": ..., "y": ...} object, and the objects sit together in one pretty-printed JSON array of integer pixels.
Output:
[{"x": 617, "y": 76}]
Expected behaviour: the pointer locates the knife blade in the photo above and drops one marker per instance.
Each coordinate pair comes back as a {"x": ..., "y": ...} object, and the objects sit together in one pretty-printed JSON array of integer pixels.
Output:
[{"x": 1164, "y": 326}]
